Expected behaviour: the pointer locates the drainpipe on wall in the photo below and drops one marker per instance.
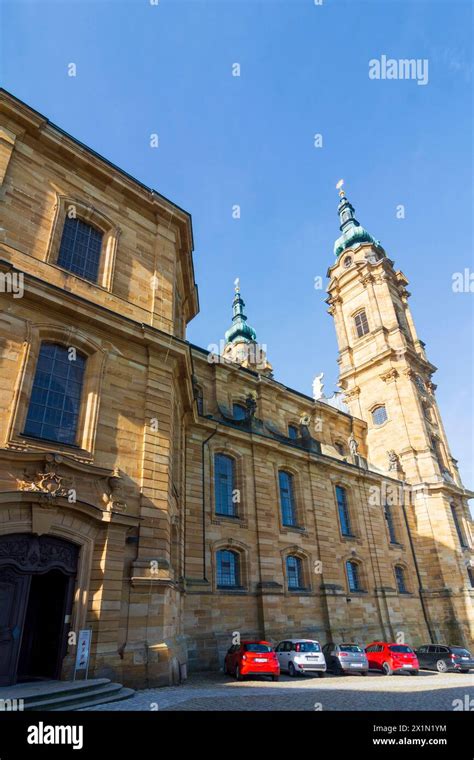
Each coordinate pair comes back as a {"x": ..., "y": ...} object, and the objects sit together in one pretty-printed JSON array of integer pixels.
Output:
[
  {"x": 417, "y": 569},
  {"x": 203, "y": 445}
]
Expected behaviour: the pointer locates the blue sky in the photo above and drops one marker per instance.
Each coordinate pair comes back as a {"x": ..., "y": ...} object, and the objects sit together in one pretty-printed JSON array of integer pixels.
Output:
[{"x": 248, "y": 140}]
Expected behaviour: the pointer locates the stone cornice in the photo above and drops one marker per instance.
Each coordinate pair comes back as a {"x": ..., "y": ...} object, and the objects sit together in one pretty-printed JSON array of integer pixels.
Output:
[
  {"x": 130, "y": 329},
  {"x": 22, "y": 456},
  {"x": 158, "y": 205},
  {"x": 91, "y": 510}
]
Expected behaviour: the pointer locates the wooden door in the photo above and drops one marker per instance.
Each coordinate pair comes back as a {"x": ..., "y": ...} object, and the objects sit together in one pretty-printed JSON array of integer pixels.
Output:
[{"x": 14, "y": 591}]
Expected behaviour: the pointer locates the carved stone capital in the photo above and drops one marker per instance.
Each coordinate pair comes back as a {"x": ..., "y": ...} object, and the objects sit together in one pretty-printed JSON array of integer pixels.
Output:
[
  {"x": 390, "y": 376},
  {"x": 334, "y": 301},
  {"x": 115, "y": 498},
  {"x": 353, "y": 393},
  {"x": 367, "y": 279}
]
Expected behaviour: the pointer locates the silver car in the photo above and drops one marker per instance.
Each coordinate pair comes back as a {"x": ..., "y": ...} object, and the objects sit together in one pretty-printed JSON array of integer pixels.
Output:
[
  {"x": 298, "y": 656},
  {"x": 346, "y": 658}
]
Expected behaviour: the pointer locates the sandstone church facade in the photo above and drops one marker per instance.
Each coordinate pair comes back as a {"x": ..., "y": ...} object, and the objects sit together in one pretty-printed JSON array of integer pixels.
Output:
[{"x": 166, "y": 498}]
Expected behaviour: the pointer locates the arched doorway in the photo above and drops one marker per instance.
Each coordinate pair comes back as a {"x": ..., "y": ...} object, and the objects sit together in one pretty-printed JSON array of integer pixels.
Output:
[{"x": 37, "y": 578}]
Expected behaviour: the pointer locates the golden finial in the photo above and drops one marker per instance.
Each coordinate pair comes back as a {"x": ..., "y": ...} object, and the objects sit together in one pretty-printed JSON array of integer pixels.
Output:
[{"x": 340, "y": 187}]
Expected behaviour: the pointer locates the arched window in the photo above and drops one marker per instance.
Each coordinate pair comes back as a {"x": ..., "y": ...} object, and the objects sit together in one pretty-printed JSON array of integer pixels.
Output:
[
  {"x": 293, "y": 432},
  {"x": 436, "y": 448},
  {"x": 343, "y": 510},
  {"x": 458, "y": 526},
  {"x": 379, "y": 415},
  {"x": 287, "y": 498},
  {"x": 470, "y": 572},
  {"x": 224, "y": 483},
  {"x": 390, "y": 523},
  {"x": 54, "y": 407},
  {"x": 353, "y": 575},
  {"x": 198, "y": 395},
  {"x": 400, "y": 578},
  {"x": 361, "y": 323},
  {"x": 239, "y": 412},
  {"x": 402, "y": 321},
  {"x": 228, "y": 569},
  {"x": 80, "y": 248},
  {"x": 294, "y": 572}
]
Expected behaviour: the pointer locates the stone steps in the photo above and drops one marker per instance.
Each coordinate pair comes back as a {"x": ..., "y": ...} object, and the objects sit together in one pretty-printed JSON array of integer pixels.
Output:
[{"x": 66, "y": 695}]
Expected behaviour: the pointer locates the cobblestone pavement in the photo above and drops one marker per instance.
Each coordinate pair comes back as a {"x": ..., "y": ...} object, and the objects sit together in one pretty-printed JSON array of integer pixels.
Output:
[{"x": 215, "y": 691}]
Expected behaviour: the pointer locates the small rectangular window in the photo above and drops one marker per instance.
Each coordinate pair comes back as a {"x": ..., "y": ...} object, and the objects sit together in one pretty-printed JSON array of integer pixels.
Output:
[
  {"x": 361, "y": 324},
  {"x": 353, "y": 576},
  {"x": 400, "y": 577},
  {"x": 227, "y": 569},
  {"x": 293, "y": 569}
]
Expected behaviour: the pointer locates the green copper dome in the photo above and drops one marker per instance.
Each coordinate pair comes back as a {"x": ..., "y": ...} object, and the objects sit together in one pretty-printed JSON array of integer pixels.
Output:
[
  {"x": 240, "y": 330},
  {"x": 352, "y": 232}
]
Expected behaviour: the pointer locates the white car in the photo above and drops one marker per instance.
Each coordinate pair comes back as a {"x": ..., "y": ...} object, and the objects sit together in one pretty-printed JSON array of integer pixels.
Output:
[{"x": 298, "y": 656}]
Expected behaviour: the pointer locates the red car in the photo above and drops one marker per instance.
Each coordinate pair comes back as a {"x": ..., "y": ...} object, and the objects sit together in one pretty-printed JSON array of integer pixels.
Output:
[
  {"x": 252, "y": 658},
  {"x": 391, "y": 657}
]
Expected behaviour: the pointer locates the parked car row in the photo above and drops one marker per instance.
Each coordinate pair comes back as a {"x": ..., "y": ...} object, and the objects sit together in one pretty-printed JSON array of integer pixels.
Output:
[{"x": 298, "y": 656}]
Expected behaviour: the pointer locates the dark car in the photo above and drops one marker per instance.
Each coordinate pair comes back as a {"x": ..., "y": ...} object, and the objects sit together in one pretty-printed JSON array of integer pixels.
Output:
[
  {"x": 445, "y": 657},
  {"x": 345, "y": 658}
]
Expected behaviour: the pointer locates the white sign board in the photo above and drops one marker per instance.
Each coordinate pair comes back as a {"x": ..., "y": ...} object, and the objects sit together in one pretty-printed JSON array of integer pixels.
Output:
[{"x": 83, "y": 650}]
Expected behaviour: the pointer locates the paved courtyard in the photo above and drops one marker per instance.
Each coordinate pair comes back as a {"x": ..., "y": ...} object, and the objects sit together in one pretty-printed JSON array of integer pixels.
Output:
[{"x": 215, "y": 691}]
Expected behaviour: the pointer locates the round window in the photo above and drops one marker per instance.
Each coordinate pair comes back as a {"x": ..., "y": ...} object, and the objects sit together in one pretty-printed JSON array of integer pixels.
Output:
[{"x": 347, "y": 262}]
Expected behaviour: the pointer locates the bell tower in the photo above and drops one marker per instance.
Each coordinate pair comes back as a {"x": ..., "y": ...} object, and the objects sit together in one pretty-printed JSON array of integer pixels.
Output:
[
  {"x": 386, "y": 378},
  {"x": 241, "y": 346}
]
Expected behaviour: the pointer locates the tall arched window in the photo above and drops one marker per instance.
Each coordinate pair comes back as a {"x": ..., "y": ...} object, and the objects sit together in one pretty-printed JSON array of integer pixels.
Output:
[
  {"x": 224, "y": 485},
  {"x": 54, "y": 407},
  {"x": 402, "y": 321},
  {"x": 294, "y": 572},
  {"x": 353, "y": 575},
  {"x": 390, "y": 523},
  {"x": 80, "y": 249},
  {"x": 343, "y": 510},
  {"x": 400, "y": 578},
  {"x": 458, "y": 526},
  {"x": 198, "y": 395},
  {"x": 228, "y": 569},
  {"x": 287, "y": 498},
  {"x": 361, "y": 323},
  {"x": 379, "y": 414},
  {"x": 436, "y": 448}
]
